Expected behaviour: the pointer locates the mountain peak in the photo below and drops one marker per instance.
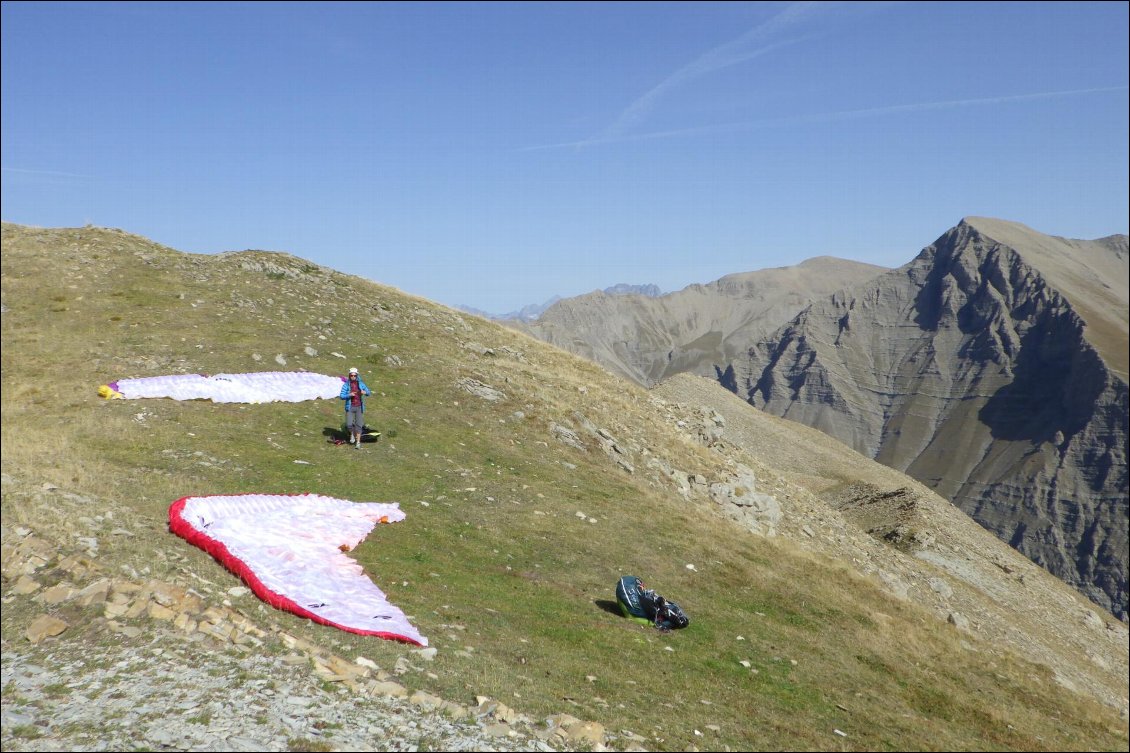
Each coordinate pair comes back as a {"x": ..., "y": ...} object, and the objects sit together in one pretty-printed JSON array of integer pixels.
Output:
[{"x": 623, "y": 288}]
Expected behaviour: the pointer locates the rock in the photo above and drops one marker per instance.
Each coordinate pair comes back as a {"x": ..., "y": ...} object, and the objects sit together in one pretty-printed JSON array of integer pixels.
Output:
[
  {"x": 941, "y": 588},
  {"x": 894, "y": 584},
  {"x": 590, "y": 733},
  {"x": 361, "y": 661},
  {"x": 43, "y": 627},
  {"x": 497, "y": 729},
  {"x": 56, "y": 594},
  {"x": 479, "y": 389},
  {"x": 389, "y": 688},
  {"x": 760, "y": 512},
  {"x": 425, "y": 699},
  {"x": 958, "y": 620},
  {"x": 25, "y": 585},
  {"x": 1092, "y": 620},
  {"x": 565, "y": 435}
]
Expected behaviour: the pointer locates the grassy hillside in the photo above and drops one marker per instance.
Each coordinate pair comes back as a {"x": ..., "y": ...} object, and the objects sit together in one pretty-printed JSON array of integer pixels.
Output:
[{"x": 495, "y": 563}]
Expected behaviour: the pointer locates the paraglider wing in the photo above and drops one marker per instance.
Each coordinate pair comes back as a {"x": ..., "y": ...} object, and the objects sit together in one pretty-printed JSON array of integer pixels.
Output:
[{"x": 290, "y": 550}]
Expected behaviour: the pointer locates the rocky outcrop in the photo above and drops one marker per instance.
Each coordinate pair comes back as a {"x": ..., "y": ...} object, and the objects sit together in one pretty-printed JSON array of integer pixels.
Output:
[
  {"x": 648, "y": 339},
  {"x": 994, "y": 371},
  {"x": 365, "y": 701}
]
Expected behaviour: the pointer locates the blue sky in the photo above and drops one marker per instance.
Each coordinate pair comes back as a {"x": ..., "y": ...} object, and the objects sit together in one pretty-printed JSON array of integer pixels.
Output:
[{"x": 494, "y": 155}]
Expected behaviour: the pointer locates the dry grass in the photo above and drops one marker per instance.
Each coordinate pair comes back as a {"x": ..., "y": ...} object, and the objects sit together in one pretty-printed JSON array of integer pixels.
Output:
[{"x": 506, "y": 580}]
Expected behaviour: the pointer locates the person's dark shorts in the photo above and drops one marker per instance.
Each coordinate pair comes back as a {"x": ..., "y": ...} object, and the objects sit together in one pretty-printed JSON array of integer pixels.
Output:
[{"x": 355, "y": 419}]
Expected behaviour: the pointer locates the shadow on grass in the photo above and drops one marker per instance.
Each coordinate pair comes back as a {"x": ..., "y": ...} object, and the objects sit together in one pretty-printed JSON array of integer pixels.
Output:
[
  {"x": 611, "y": 607},
  {"x": 339, "y": 435},
  {"x": 335, "y": 432}
]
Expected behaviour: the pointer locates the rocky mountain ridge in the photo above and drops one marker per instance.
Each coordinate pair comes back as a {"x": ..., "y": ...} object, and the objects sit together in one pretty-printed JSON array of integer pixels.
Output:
[
  {"x": 691, "y": 330},
  {"x": 972, "y": 370}
]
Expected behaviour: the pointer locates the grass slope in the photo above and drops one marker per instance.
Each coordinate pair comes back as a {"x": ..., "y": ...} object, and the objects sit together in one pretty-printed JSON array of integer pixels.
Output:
[{"x": 494, "y": 562}]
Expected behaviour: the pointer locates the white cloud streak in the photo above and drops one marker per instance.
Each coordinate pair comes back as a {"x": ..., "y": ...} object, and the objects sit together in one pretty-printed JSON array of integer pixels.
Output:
[
  {"x": 757, "y": 41},
  {"x": 760, "y": 40},
  {"x": 44, "y": 173},
  {"x": 830, "y": 117}
]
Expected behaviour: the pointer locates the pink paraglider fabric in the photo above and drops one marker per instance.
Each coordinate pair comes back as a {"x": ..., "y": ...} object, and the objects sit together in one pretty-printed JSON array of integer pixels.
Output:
[{"x": 290, "y": 549}]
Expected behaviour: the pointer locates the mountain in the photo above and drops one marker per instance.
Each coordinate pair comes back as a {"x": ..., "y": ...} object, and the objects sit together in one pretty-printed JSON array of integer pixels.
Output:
[
  {"x": 692, "y": 330},
  {"x": 526, "y": 313},
  {"x": 832, "y": 601},
  {"x": 474, "y": 311},
  {"x": 993, "y": 369},
  {"x": 534, "y": 310},
  {"x": 649, "y": 290}
]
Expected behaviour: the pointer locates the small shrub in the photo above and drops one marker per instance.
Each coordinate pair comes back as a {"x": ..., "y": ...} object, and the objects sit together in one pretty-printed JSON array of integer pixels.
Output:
[{"x": 26, "y": 731}]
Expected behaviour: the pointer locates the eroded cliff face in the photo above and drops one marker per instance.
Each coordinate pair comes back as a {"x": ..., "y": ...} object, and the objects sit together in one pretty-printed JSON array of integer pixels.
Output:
[{"x": 971, "y": 371}]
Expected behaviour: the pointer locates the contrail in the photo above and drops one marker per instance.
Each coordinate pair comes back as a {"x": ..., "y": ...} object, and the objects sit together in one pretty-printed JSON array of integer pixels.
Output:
[
  {"x": 946, "y": 104},
  {"x": 759, "y": 40},
  {"x": 755, "y": 42},
  {"x": 56, "y": 173},
  {"x": 829, "y": 117}
]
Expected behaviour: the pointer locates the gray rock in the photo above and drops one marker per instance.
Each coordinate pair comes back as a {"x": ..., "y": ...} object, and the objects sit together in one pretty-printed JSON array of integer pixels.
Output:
[
  {"x": 479, "y": 389},
  {"x": 941, "y": 587},
  {"x": 958, "y": 620}
]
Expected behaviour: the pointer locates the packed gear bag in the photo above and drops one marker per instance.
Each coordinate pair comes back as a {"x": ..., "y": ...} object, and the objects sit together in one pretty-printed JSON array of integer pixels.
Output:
[{"x": 646, "y": 607}]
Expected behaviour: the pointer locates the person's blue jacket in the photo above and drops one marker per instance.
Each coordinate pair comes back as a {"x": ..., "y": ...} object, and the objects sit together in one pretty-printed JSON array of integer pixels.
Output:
[{"x": 345, "y": 393}]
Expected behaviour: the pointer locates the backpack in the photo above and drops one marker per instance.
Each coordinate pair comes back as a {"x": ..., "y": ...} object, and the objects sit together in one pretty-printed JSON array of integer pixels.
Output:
[{"x": 645, "y": 606}]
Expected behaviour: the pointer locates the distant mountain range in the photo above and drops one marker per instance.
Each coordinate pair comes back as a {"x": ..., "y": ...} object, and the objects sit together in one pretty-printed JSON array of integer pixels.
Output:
[
  {"x": 992, "y": 367},
  {"x": 650, "y": 339},
  {"x": 534, "y": 310}
]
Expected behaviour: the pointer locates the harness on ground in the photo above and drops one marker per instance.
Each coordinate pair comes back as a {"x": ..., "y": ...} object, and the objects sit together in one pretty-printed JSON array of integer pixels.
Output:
[{"x": 647, "y": 607}]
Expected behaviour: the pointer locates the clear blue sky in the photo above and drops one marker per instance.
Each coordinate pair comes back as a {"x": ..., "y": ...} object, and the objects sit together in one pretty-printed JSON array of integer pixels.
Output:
[{"x": 494, "y": 155}]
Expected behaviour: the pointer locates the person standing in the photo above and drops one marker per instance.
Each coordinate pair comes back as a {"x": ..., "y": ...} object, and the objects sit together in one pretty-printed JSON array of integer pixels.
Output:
[{"x": 353, "y": 392}]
